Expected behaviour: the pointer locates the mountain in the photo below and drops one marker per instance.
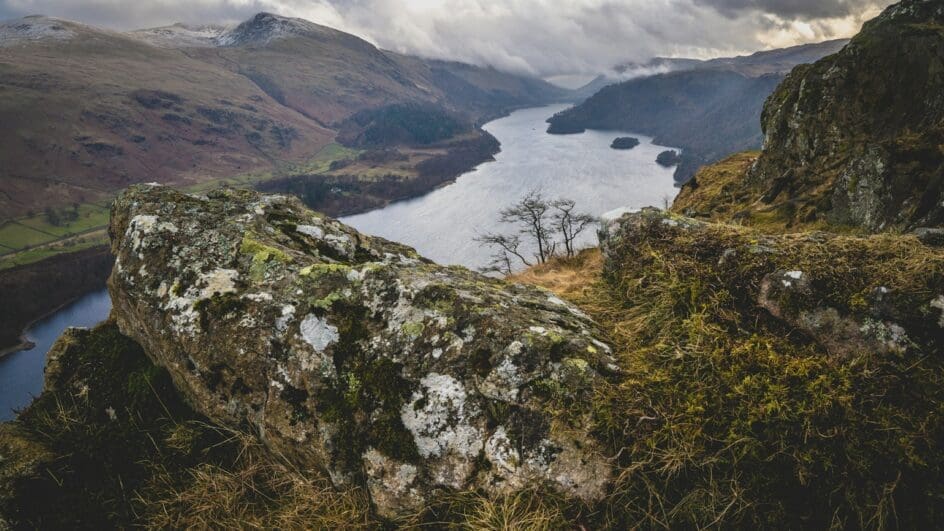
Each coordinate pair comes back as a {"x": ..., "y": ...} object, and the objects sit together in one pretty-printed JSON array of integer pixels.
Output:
[
  {"x": 779, "y": 61},
  {"x": 707, "y": 113},
  {"x": 856, "y": 139},
  {"x": 88, "y": 111},
  {"x": 708, "y": 108}
]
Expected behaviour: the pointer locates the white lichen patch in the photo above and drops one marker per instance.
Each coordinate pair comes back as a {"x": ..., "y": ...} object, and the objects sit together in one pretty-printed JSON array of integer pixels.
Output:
[
  {"x": 606, "y": 348},
  {"x": 218, "y": 282},
  {"x": 317, "y": 332},
  {"x": 392, "y": 484},
  {"x": 143, "y": 225},
  {"x": 439, "y": 417},
  {"x": 892, "y": 336},
  {"x": 311, "y": 230},
  {"x": 556, "y": 301},
  {"x": 790, "y": 277},
  {"x": 503, "y": 382},
  {"x": 500, "y": 451},
  {"x": 288, "y": 312}
]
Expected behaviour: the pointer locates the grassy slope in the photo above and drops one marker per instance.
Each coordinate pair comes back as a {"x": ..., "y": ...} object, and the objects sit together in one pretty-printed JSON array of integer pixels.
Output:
[
  {"x": 725, "y": 416},
  {"x": 728, "y": 417}
]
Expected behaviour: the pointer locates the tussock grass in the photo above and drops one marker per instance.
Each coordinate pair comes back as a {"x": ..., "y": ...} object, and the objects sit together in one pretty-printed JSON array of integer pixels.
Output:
[
  {"x": 254, "y": 491},
  {"x": 727, "y": 418}
]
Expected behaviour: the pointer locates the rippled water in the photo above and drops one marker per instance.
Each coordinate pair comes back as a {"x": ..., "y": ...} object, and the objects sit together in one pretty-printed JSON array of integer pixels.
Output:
[
  {"x": 443, "y": 225},
  {"x": 21, "y": 373}
]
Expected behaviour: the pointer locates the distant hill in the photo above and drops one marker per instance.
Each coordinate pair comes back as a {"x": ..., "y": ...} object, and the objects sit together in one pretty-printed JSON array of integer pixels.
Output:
[
  {"x": 710, "y": 109},
  {"x": 856, "y": 139},
  {"x": 87, "y": 111}
]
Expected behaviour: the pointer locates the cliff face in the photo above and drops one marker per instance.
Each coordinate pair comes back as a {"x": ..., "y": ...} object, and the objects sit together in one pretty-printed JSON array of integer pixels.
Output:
[
  {"x": 353, "y": 353},
  {"x": 858, "y": 138}
]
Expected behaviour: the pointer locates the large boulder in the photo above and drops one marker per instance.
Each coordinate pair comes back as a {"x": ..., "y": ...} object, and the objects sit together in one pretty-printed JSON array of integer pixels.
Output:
[{"x": 355, "y": 355}]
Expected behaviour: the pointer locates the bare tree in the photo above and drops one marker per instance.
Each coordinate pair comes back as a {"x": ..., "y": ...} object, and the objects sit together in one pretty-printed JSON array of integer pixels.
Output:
[
  {"x": 570, "y": 224},
  {"x": 530, "y": 214},
  {"x": 539, "y": 222},
  {"x": 506, "y": 251}
]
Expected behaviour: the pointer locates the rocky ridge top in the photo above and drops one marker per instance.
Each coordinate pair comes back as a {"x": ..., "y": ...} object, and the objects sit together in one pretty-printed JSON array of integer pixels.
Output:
[{"x": 857, "y": 138}]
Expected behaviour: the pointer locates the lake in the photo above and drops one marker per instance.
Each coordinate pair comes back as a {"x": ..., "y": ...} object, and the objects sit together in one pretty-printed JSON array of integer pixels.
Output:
[
  {"x": 21, "y": 373},
  {"x": 443, "y": 224}
]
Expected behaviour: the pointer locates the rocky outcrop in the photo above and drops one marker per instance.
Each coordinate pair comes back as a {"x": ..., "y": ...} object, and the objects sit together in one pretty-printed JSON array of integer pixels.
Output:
[
  {"x": 850, "y": 295},
  {"x": 856, "y": 139},
  {"x": 354, "y": 354}
]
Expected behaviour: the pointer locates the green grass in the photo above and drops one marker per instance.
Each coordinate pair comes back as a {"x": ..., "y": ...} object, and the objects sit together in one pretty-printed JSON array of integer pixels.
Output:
[
  {"x": 17, "y": 236},
  {"x": 41, "y": 253},
  {"x": 91, "y": 216},
  {"x": 727, "y": 418},
  {"x": 320, "y": 163}
]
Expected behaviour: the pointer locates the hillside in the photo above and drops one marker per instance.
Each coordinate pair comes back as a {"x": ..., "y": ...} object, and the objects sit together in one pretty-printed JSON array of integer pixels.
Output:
[
  {"x": 708, "y": 108},
  {"x": 282, "y": 370},
  {"x": 750, "y": 359},
  {"x": 87, "y": 111},
  {"x": 93, "y": 112},
  {"x": 853, "y": 140}
]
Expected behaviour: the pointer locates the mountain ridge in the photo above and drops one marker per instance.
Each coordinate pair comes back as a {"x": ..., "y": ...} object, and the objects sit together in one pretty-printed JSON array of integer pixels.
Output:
[
  {"x": 289, "y": 84},
  {"x": 709, "y": 109},
  {"x": 853, "y": 140}
]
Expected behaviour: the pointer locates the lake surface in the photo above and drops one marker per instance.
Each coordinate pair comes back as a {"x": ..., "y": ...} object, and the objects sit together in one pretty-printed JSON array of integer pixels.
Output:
[
  {"x": 443, "y": 225},
  {"x": 21, "y": 373}
]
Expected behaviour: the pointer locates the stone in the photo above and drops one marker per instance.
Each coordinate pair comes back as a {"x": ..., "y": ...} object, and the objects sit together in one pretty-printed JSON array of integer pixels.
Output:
[
  {"x": 933, "y": 237},
  {"x": 355, "y": 355}
]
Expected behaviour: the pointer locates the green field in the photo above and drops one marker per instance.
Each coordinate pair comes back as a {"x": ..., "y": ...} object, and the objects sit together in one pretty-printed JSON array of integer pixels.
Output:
[
  {"x": 39, "y": 253},
  {"x": 30, "y": 239}
]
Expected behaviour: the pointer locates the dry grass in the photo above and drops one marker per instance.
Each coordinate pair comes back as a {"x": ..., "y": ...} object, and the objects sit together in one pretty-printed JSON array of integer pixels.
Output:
[
  {"x": 256, "y": 491},
  {"x": 567, "y": 277},
  {"x": 726, "y": 418}
]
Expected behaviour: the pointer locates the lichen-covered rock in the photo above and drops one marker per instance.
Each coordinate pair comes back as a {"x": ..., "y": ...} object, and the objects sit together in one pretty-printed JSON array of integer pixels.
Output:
[
  {"x": 851, "y": 295},
  {"x": 856, "y": 139},
  {"x": 353, "y": 354}
]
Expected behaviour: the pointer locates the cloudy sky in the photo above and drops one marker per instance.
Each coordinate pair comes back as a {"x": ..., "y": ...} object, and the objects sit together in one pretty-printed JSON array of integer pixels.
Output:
[{"x": 541, "y": 37}]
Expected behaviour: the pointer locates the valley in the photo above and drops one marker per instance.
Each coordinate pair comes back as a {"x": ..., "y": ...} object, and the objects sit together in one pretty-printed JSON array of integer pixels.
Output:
[
  {"x": 442, "y": 224},
  {"x": 354, "y": 284}
]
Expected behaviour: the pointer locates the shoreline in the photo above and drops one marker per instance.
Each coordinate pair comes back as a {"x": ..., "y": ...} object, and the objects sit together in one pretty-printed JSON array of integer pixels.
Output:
[
  {"x": 25, "y": 343},
  {"x": 448, "y": 179},
  {"x": 39, "y": 290}
]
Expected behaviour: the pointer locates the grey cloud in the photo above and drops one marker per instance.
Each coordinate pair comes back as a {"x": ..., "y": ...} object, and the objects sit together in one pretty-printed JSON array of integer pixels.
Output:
[
  {"x": 795, "y": 8},
  {"x": 533, "y": 36}
]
